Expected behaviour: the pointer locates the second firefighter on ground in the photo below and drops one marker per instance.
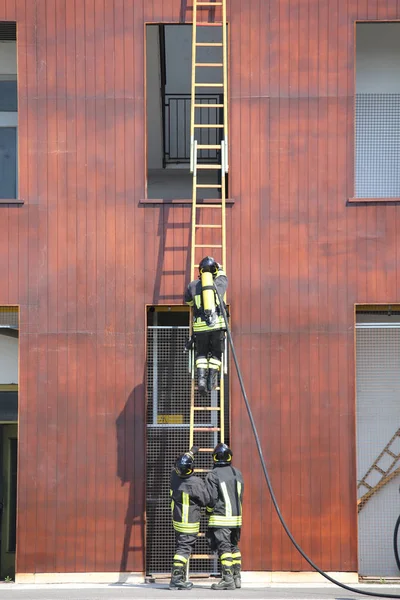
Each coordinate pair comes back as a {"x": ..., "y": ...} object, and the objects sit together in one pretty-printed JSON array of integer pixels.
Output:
[
  {"x": 222, "y": 492},
  {"x": 208, "y": 322}
]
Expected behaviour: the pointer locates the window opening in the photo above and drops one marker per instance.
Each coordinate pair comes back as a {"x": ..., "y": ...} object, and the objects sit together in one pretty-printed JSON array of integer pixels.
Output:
[
  {"x": 168, "y": 92},
  {"x": 377, "y": 110},
  {"x": 8, "y": 111}
]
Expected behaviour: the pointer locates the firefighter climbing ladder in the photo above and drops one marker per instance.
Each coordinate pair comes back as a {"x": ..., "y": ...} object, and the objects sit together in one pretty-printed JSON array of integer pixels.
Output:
[
  {"x": 203, "y": 213},
  {"x": 220, "y": 50},
  {"x": 387, "y": 459}
]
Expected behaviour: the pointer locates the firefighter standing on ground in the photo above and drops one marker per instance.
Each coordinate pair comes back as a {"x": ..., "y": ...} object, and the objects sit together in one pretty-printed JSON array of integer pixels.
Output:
[
  {"x": 208, "y": 322},
  {"x": 225, "y": 486},
  {"x": 188, "y": 493}
]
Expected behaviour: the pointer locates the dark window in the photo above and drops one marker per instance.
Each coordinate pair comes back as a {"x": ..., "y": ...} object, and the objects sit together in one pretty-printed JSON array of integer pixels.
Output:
[
  {"x": 8, "y": 111},
  {"x": 12, "y": 524}
]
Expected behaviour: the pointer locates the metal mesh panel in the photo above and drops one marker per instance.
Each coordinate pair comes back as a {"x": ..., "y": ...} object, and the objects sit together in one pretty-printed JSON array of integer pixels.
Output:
[
  {"x": 378, "y": 445},
  {"x": 377, "y": 145},
  {"x": 9, "y": 316},
  {"x": 168, "y": 419}
]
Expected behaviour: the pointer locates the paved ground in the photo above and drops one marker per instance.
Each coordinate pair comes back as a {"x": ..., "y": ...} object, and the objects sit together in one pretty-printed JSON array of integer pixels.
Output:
[{"x": 200, "y": 591}]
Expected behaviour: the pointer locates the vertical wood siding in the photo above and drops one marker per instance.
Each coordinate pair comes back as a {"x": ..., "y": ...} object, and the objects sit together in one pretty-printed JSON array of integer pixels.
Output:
[{"x": 82, "y": 257}]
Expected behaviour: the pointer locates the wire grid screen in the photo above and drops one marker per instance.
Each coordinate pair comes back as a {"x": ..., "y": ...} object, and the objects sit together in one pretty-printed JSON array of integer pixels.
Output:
[
  {"x": 9, "y": 316},
  {"x": 377, "y": 146},
  {"x": 168, "y": 420},
  {"x": 378, "y": 446}
]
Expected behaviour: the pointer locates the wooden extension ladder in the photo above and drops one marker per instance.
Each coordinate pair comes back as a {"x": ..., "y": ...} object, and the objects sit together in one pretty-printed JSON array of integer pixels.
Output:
[
  {"x": 208, "y": 225},
  {"x": 386, "y": 472}
]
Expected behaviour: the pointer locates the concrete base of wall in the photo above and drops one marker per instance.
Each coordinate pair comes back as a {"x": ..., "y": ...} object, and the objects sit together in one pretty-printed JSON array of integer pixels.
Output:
[
  {"x": 254, "y": 577},
  {"x": 79, "y": 578}
]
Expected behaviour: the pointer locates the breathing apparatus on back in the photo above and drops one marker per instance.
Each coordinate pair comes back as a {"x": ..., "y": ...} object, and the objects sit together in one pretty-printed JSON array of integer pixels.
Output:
[{"x": 208, "y": 270}]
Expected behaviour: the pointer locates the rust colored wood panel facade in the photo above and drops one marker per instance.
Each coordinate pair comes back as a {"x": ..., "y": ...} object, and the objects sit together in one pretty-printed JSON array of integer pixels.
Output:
[{"x": 82, "y": 257}]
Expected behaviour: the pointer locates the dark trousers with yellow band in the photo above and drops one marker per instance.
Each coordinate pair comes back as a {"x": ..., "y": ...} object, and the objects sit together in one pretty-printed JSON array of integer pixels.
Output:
[
  {"x": 184, "y": 546},
  {"x": 209, "y": 348},
  {"x": 225, "y": 540}
]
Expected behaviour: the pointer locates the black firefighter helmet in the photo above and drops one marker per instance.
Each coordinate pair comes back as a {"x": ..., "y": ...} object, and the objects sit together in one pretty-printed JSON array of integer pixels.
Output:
[
  {"x": 222, "y": 455},
  {"x": 184, "y": 464},
  {"x": 208, "y": 264}
]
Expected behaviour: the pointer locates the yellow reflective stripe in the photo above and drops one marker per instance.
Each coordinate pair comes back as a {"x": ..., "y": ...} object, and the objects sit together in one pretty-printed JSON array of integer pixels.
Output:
[
  {"x": 190, "y": 303},
  {"x": 225, "y": 494},
  {"x": 227, "y": 563},
  {"x": 226, "y": 555},
  {"x": 239, "y": 491},
  {"x": 186, "y": 527},
  {"x": 209, "y": 509},
  {"x": 197, "y": 299},
  {"x": 172, "y": 505},
  {"x": 220, "y": 521},
  {"x": 185, "y": 507},
  {"x": 200, "y": 325},
  {"x": 201, "y": 363},
  {"x": 236, "y": 555},
  {"x": 214, "y": 362},
  {"x": 180, "y": 558}
]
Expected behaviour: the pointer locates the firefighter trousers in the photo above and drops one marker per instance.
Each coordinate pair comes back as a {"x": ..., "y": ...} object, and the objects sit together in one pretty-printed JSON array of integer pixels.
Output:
[
  {"x": 184, "y": 544},
  {"x": 209, "y": 348},
  {"x": 225, "y": 540}
]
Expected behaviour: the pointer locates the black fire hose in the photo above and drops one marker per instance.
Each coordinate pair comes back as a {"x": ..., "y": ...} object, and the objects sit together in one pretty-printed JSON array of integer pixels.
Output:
[
  {"x": 396, "y": 542},
  {"x": 268, "y": 481}
]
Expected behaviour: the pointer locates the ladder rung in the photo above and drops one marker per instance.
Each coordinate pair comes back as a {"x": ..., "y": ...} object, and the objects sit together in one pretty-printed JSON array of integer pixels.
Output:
[
  {"x": 202, "y": 470},
  {"x": 201, "y": 556},
  {"x": 208, "y": 206},
  {"x": 392, "y": 454},
  {"x": 208, "y": 246},
  {"x": 209, "y": 226},
  {"x": 206, "y": 24},
  {"x": 206, "y": 429},
  {"x": 208, "y": 64},
  {"x": 209, "y": 44},
  {"x": 209, "y": 85},
  {"x": 209, "y": 106},
  {"x": 209, "y": 167},
  {"x": 381, "y": 471},
  {"x": 207, "y": 408},
  {"x": 206, "y": 449},
  {"x": 196, "y": 388},
  {"x": 365, "y": 484},
  {"x": 208, "y": 147},
  {"x": 209, "y": 185},
  {"x": 208, "y": 126},
  {"x": 209, "y": 4},
  {"x": 201, "y": 535}
]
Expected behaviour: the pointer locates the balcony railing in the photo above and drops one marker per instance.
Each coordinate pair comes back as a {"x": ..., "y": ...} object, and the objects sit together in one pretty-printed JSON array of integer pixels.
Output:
[{"x": 177, "y": 127}]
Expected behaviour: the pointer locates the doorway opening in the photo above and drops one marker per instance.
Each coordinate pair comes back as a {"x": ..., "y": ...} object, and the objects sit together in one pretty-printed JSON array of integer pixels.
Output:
[
  {"x": 168, "y": 93},
  {"x": 9, "y": 335},
  {"x": 168, "y": 393},
  {"x": 378, "y": 437}
]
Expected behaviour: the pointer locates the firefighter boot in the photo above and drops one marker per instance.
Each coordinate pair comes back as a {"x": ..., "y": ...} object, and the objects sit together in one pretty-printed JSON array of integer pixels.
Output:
[
  {"x": 236, "y": 576},
  {"x": 178, "y": 579},
  {"x": 212, "y": 380},
  {"x": 227, "y": 581},
  {"x": 202, "y": 381}
]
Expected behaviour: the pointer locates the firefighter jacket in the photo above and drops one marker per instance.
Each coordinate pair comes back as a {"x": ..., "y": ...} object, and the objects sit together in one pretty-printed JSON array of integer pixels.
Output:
[
  {"x": 187, "y": 496},
  {"x": 193, "y": 297},
  {"x": 225, "y": 486}
]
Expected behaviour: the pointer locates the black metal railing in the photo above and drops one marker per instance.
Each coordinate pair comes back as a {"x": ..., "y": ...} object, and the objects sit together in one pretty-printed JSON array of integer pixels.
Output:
[{"x": 177, "y": 127}]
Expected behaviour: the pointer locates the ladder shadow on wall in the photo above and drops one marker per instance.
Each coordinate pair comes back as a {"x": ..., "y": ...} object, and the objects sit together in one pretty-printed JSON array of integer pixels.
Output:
[{"x": 173, "y": 251}]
